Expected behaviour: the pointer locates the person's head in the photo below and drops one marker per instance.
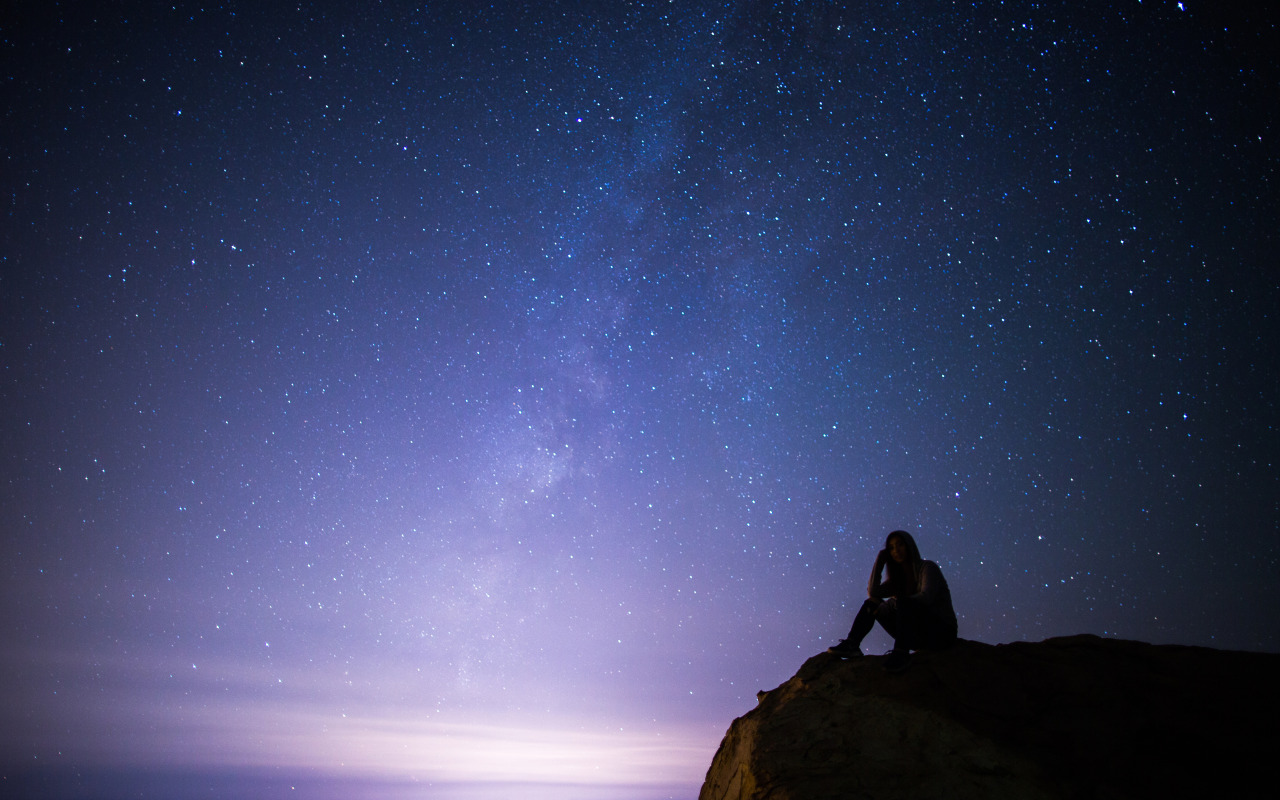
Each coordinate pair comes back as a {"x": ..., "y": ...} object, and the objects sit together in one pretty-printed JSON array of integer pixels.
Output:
[{"x": 902, "y": 548}]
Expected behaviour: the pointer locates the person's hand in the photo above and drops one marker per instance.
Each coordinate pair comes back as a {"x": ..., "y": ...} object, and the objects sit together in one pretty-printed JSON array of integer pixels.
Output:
[{"x": 881, "y": 559}]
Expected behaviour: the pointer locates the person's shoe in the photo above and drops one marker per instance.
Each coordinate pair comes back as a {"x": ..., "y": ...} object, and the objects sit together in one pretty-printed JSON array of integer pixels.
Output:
[
  {"x": 897, "y": 661},
  {"x": 845, "y": 649}
]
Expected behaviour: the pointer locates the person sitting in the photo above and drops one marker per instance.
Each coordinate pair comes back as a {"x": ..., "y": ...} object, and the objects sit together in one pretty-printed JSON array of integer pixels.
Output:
[{"x": 912, "y": 604}]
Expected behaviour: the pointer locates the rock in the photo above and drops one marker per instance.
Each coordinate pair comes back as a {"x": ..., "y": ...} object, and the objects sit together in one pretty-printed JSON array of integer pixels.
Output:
[{"x": 1073, "y": 717}]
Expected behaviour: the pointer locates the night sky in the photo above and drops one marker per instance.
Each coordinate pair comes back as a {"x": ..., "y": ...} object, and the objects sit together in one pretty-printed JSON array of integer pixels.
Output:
[{"x": 403, "y": 398}]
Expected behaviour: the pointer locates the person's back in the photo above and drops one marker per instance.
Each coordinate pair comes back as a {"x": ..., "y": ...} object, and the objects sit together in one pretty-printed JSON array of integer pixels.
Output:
[{"x": 939, "y": 600}]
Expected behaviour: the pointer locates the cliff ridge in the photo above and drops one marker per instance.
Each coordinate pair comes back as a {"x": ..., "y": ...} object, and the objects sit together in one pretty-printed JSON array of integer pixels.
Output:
[{"x": 1072, "y": 717}]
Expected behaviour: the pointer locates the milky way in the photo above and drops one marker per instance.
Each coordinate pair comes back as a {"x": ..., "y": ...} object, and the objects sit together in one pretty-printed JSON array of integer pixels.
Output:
[{"x": 425, "y": 396}]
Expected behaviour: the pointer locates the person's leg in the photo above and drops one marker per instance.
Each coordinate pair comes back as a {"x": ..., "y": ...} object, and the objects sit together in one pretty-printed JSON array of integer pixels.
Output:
[
  {"x": 862, "y": 624},
  {"x": 916, "y": 629},
  {"x": 908, "y": 619},
  {"x": 887, "y": 616}
]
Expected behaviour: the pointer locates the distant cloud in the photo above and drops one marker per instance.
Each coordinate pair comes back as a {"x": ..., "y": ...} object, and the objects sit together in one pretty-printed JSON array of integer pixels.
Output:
[{"x": 204, "y": 723}]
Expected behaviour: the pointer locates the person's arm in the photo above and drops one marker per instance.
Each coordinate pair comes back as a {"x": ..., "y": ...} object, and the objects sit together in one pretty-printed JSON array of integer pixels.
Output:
[
  {"x": 930, "y": 582},
  {"x": 874, "y": 588}
]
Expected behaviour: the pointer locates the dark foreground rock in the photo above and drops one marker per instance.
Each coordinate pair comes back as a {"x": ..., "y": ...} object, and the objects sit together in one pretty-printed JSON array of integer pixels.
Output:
[{"x": 1075, "y": 717}]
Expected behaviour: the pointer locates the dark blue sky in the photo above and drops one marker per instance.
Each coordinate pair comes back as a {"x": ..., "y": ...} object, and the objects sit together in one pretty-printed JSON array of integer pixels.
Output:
[{"x": 396, "y": 391}]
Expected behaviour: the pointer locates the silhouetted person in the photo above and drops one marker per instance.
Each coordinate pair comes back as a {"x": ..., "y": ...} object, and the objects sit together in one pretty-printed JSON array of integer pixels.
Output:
[{"x": 913, "y": 604}]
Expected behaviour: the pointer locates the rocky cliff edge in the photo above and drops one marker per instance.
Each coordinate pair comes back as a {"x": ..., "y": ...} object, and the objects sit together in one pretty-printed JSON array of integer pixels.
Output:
[{"x": 1073, "y": 717}]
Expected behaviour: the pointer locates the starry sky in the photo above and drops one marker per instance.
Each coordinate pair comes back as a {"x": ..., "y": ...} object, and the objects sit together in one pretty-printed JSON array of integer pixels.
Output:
[{"x": 428, "y": 399}]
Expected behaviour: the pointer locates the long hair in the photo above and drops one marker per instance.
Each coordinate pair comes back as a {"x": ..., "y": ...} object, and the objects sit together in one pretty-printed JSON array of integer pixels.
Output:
[{"x": 907, "y": 574}]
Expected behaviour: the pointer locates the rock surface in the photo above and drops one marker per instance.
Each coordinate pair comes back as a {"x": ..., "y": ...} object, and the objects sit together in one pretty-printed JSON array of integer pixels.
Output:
[{"x": 1073, "y": 717}]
